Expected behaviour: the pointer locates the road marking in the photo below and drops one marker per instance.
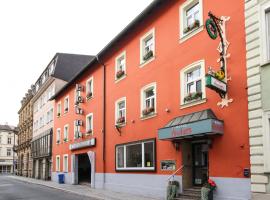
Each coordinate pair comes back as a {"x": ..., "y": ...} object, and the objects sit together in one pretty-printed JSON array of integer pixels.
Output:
[{"x": 6, "y": 185}]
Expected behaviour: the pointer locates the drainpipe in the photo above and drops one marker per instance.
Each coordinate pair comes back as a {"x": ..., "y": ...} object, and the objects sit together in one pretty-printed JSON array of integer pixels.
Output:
[{"x": 103, "y": 119}]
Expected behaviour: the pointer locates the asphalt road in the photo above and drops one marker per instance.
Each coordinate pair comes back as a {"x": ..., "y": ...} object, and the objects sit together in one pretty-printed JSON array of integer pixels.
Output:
[{"x": 11, "y": 189}]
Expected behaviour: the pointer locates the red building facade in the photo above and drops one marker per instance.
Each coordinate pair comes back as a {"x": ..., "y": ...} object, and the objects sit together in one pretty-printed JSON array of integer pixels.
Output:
[{"x": 141, "y": 110}]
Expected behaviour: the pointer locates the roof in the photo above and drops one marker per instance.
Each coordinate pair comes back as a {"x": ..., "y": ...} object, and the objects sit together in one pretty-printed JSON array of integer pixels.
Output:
[
  {"x": 193, "y": 117},
  {"x": 68, "y": 65},
  {"x": 145, "y": 13},
  {"x": 8, "y": 128}
]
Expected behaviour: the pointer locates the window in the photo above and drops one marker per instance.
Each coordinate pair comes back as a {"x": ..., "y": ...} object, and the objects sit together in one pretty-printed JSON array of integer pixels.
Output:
[
  {"x": 66, "y": 133},
  {"x": 147, "y": 47},
  {"x": 66, "y": 104},
  {"x": 65, "y": 163},
  {"x": 148, "y": 100},
  {"x": 58, "y": 135},
  {"x": 77, "y": 132},
  {"x": 51, "y": 114},
  {"x": 136, "y": 156},
  {"x": 120, "y": 111},
  {"x": 192, "y": 83},
  {"x": 191, "y": 18},
  {"x": 57, "y": 163},
  {"x": 89, "y": 123},
  {"x": 8, "y": 152},
  {"x": 0, "y": 151},
  {"x": 59, "y": 109},
  {"x": 9, "y": 140},
  {"x": 267, "y": 19},
  {"x": 89, "y": 88},
  {"x": 48, "y": 117},
  {"x": 0, "y": 140},
  {"x": 120, "y": 66}
]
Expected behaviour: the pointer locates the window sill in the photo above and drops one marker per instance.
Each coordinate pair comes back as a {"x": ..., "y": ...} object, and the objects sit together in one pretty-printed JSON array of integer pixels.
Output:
[
  {"x": 151, "y": 169},
  {"x": 148, "y": 116},
  {"x": 142, "y": 64},
  {"x": 190, "y": 34},
  {"x": 121, "y": 78},
  {"x": 193, "y": 103},
  {"x": 89, "y": 134}
]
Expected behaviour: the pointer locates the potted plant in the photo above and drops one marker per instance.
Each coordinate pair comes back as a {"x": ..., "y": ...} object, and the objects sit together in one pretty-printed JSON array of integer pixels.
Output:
[
  {"x": 57, "y": 141},
  {"x": 172, "y": 190},
  {"x": 66, "y": 109},
  {"x": 120, "y": 73},
  {"x": 196, "y": 24},
  {"x": 58, "y": 114},
  {"x": 148, "y": 54},
  {"x": 89, "y": 95},
  {"x": 121, "y": 120},
  {"x": 193, "y": 96},
  {"x": 208, "y": 189},
  {"x": 148, "y": 110},
  {"x": 65, "y": 139}
]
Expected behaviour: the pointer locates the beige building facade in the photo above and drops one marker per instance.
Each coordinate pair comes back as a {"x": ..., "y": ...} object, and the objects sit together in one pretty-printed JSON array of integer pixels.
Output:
[{"x": 25, "y": 136}]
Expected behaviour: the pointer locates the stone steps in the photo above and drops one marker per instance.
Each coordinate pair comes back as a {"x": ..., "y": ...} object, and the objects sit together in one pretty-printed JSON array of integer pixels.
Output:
[{"x": 190, "y": 194}]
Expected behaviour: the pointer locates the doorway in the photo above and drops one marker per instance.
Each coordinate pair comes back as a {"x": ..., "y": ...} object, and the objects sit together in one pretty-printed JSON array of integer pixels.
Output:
[
  {"x": 84, "y": 169},
  {"x": 200, "y": 163}
]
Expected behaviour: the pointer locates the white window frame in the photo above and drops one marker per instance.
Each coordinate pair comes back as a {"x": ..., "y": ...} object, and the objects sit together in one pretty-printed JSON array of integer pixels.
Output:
[
  {"x": 142, "y": 46},
  {"x": 77, "y": 93},
  {"x": 91, "y": 89},
  {"x": 58, "y": 109},
  {"x": 58, "y": 135},
  {"x": 9, "y": 151},
  {"x": 57, "y": 163},
  {"x": 183, "y": 73},
  {"x": 122, "y": 56},
  {"x": 66, "y": 132},
  {"x": 182, "y": 15},
  {"x": 89, "y": 125},
  {"x": 265, "y": 51},
  {"x": 66, "y": 104},
  {"x": 266, "y": 141},
  {"x": 123, "y": 99},
  {"x": 143, "y": 106},
  {"x": 65, "y": 168},
  {"x": 125, "y": 168},
  {"x": 9, "y": 138}
]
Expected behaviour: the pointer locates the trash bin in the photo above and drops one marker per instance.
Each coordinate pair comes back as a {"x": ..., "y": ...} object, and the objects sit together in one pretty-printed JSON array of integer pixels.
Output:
[{"x": 61, "y": 178}]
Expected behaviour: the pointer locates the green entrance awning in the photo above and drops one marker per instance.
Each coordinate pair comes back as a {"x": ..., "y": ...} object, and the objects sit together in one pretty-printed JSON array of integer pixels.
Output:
[{"x": 196, "y": 124}]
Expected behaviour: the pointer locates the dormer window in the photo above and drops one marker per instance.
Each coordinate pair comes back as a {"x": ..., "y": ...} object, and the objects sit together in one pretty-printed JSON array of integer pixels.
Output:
[{"x": 51, "y": 68}]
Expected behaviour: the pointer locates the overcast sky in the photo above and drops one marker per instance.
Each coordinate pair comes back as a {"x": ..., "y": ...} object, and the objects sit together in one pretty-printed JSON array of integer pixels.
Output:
[{"x": 32, "y": 31}]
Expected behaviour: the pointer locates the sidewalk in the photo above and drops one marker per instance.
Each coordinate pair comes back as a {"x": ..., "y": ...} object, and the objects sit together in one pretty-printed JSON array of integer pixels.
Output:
[{"x": 99, "y": 194}]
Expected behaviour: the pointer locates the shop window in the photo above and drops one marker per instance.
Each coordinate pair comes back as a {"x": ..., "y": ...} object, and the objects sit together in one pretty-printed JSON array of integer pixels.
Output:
[
  {"x": 65, "y": 163},
  {"x": 120, "y": 66},
  {"x": 89, "y": 88},
  {"x": 191, "y": 18},
  {"x": 120, "y": 111},
  {"x": 136, "y": 156},
  {"x": 59, "y": 109},
  {"x": 192, "y": 83},
  {"x": 89, "y": 124},
  {"x": 66, "y": 133},
  {"x": 58, "y": 135},
  {"x": 66, "y": 104},
  {"x": 147, "y": 47},
  {"x": 57, "y": 163},
  {"x": 148, "y": 100}
]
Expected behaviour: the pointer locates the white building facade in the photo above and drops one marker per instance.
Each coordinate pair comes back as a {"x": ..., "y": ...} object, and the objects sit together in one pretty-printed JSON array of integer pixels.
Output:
[
  {"x": 8, "y": 157},
  {"x": 257, "y": 13}
]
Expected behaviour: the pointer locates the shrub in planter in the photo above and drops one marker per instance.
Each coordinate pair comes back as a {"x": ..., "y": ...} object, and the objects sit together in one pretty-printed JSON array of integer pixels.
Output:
[
  {"x": 208, "y": 189},
  {"x": 172, "y": 190},
  {"x": 120, "y": 73},
  {"x": 148, "y": 110},
  {"x": 120, "y": 120},
  {"x": 148, "y": 55},
  {"x": 89, "y": 95}
]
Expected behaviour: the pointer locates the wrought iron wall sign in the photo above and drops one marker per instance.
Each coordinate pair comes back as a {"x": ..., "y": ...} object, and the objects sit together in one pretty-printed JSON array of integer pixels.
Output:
[{"x": 217, "y": 81}]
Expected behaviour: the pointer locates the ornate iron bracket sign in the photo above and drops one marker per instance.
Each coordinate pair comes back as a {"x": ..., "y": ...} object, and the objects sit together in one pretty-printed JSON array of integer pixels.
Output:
[{"x": 217, "y": 81}]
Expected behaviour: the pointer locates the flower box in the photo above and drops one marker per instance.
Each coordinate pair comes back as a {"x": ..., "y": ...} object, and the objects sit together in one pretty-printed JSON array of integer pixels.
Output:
[
  {"x": 58, "y": 114},
  {"x": 121, "y": 120},
  {"x": 89, "y": 95},
  {"x": 193, "y": 96},
  {"x": 120, "y": 73},
  {"x": 148, "y": 110},
  {"x": 196, "y": 24},
  {"x": 66, "y": 109},
  {"x": 57, "y": 141},
  {"x": 148, "y": 55},
  {"x": 65, "y": 139},
  {"x": 90, "y": 131}
]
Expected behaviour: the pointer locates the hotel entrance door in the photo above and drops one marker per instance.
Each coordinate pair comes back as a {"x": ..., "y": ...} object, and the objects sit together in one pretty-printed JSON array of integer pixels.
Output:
[{"x": 200, "y": 163}]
